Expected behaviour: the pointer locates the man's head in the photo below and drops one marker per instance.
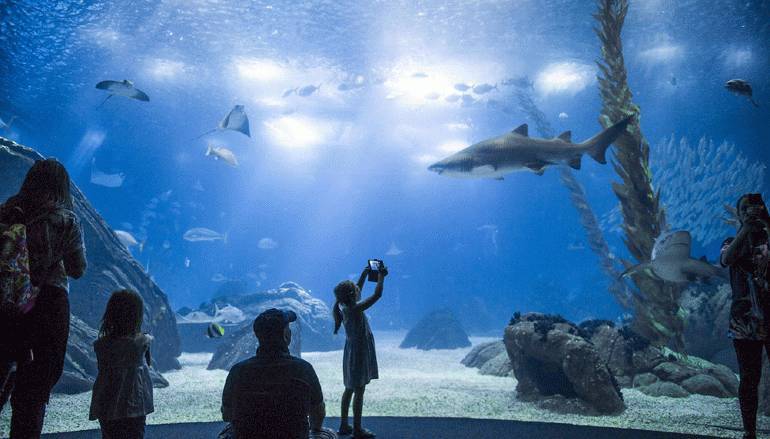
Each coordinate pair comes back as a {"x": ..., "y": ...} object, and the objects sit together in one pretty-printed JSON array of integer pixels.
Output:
[{"x": 272, "y": 327}]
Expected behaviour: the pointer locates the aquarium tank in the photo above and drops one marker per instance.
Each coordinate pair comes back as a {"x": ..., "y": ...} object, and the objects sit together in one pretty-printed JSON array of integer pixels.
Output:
[{"x": 549, "y": 184}]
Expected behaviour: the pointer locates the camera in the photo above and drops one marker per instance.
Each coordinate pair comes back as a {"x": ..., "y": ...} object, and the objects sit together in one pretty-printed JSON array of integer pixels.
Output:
[{"x": 375, "y": 265}]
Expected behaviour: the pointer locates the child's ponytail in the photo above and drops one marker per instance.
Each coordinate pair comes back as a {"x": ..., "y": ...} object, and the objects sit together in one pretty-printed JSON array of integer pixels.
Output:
[{"x": 337, "y": 316}]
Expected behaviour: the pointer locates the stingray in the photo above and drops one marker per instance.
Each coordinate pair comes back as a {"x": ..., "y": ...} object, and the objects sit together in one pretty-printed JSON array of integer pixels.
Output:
[
  {"x": 236, "y": 120},
  {"x": 671, "y": 261},
  {"x": 6, "y": 126},
  {"x": 122, "y": 88}
]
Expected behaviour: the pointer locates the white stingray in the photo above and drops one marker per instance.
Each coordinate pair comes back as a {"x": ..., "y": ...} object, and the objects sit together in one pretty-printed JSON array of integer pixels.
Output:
[
  {"x": 236, "y": 120},
  {"x": 122, "y": 88}
]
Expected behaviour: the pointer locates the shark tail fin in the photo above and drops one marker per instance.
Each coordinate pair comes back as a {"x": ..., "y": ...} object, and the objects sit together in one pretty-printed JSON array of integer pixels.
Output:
[{"x": 597, "y": 145}]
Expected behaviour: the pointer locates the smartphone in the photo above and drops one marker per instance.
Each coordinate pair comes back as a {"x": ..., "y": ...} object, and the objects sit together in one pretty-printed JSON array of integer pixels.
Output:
[{"x": 374, "y": 269}]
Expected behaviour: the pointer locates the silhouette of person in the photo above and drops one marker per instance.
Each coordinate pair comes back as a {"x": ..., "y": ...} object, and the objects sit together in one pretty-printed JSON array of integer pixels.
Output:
[
  {"x": 359, "y": 364},
  {"x": 56, "y": 250},
  {"x": 272, "y": 394},
  {"x": 747, "y": 256}
]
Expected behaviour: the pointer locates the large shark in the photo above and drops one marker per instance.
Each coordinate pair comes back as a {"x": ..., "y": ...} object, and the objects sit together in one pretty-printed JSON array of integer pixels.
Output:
[
  {"x": 498, "y": 156},
  {"x": 671, "y": 261}
]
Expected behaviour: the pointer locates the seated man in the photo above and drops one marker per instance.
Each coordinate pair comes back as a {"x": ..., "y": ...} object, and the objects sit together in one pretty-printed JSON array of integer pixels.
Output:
[{"x": 272, "y": 394}]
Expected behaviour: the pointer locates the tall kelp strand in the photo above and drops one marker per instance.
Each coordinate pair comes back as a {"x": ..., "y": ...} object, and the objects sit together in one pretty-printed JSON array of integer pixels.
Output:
[{"x": 656, "y": 304}]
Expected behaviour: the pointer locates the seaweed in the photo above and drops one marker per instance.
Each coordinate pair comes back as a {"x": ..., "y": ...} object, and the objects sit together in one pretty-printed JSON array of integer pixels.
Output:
[
  {"x": 596, "y": 240},
  {"x": 657, "y": 315}
]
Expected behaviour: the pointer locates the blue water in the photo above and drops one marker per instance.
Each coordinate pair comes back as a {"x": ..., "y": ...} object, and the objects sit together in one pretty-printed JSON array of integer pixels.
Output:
[{"x": 337, "y": 177}]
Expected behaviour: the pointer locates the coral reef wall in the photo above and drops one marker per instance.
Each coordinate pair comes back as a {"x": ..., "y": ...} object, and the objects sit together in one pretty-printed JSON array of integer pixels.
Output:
[
  {"x": 657, "y": 314},
  {"x": 579, "y": 199}
]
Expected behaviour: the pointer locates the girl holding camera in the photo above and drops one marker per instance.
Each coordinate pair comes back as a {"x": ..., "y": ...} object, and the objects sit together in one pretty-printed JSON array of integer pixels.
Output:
[{"x": 359, "y": 364}]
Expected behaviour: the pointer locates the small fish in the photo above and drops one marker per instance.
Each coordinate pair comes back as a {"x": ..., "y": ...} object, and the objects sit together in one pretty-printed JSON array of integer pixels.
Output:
[
  {"x": 288, "y": 92},
  {"x": 468, "y": 100},
  {"x": 197, "y": 234},
  {"x": 215, "y": 330},
  {"x": 186, "y": 262},
  {"x": 393, "y": 250},
  {"x": 741, "y": 87},
  {"x": 222, "y": 153},
  {"x": 522, "y": 82},
  {"x": 308, "y": 90},
  {"x": 122, "y": 88},
  {"x": 673, "y": 81},
  {"x": 107, "y": 180},
  {"x": 166, "y": 244},
  {"x": 563, "y": 116},
  {"x": 462, "y": 87},
  {"x": 452, "y": 98},
  {"x": 198, "y": 186},
  {"x": 484, "y": 88},
  {"x": 219, "y": 277},
  {"x": 126, "y": 238},
  {"x": 6, "y": 126},
  {"x": 419, "y": 75},
  {"x": 432, "y": 96}
]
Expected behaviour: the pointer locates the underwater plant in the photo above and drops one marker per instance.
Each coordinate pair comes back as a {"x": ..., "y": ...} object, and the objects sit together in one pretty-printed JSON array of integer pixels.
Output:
[
  {"x": 699, "y": 180},
  {"x": 596, "y": 240},
  {"x": 657, "y": 313}
]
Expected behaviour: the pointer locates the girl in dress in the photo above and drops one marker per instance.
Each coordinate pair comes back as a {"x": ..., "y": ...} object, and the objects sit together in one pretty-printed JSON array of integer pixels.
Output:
[
  {"x": 359, "y": 364},
  {"x": 122, "y": 395}
]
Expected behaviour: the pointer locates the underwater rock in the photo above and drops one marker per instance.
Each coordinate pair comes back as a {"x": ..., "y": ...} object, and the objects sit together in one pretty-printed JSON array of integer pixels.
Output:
[
  {"x": 664, "y": 388},
  {"x": 481, "y": 353},
  {"x": 550, "y": 357},
  {"x": 705, "y": 385},
  {"x": 110, "y": 266},
  {"x": 708, "y": 316},
  {"x": 499, "y": 366},
  {"x": 438, "y": 330},
  {"x": 242, "y": 344},
  {"x": 644, "y": 379},
  {"x": 313, "y": 314},
  {"x": 674, "y": 372},
  {"x": 490, "y": 358}
]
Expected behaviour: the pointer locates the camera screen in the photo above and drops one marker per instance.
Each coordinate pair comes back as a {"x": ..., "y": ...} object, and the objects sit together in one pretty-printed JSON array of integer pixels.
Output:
[{"x": 374, "y": 265}]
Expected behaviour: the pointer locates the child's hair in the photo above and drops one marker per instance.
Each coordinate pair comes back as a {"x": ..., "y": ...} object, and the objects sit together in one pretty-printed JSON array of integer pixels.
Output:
[
  {"x": 344, "y": 292},
  {"x": 123, "y": 315}
]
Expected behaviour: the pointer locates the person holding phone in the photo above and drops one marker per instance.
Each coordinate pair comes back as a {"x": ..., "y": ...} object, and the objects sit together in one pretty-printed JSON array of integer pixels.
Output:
[
  {"x": 359, "y": 364},
  {"x": 747, "y": 256}
]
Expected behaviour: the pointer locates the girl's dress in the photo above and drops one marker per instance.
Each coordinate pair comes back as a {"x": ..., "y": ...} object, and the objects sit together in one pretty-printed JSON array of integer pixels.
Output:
[
  {"x": 123, "y": 388},
  {"x": 359, "y": 362}
]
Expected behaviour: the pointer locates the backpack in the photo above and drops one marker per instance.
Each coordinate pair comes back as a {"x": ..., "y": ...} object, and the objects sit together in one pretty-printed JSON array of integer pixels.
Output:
[{"x": 17, "y": 295}]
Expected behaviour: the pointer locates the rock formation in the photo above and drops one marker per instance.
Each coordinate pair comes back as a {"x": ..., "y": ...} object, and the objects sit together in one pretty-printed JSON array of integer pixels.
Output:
[
  {"x": 658, "y": 371},
  {"x": 550, "y": 357},
  {"x": 315, "y": 326},
  {"x": 110, "y": 267},
  {"x": 437, "y": 330},
  {"x": 490, "y": 358}
]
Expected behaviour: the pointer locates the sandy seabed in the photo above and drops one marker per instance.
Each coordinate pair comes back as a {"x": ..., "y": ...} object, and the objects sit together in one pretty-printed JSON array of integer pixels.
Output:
[{"x": 412, "y": 383}]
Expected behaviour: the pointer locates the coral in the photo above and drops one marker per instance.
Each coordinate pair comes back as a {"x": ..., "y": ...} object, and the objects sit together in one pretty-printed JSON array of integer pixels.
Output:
[
  {"x": 697, "y": 181},
  {"x": 657, "y": 315}
]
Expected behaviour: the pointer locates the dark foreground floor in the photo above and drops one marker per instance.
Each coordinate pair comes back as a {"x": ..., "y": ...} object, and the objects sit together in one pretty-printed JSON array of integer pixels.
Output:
[{"x": 422, "y": 428}]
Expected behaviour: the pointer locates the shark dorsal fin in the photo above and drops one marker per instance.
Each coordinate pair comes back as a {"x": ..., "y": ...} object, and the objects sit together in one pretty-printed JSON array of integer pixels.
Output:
[
  {"x": 523, "y": 130},
  {"x": 566, "y": 136}
]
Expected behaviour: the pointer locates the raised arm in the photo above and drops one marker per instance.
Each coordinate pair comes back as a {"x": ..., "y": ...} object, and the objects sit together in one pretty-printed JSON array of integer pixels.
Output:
[
  {"x": 729, "y": 253},
  {"x": 371, "y": 300},
  {"x": 362, "y": 278}
]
